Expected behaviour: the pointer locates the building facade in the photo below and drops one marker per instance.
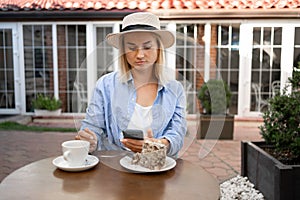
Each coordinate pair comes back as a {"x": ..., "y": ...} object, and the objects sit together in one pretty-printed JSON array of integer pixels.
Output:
[{"x": 60, "y": 51}]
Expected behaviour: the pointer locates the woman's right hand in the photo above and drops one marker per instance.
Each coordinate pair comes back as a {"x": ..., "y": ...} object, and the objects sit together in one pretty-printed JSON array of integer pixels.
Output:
[{"x": 89, "y": 136}]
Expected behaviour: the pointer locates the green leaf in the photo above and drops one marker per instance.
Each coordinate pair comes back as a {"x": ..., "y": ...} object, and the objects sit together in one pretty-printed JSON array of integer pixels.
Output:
[{"x": 44, "y": 102}]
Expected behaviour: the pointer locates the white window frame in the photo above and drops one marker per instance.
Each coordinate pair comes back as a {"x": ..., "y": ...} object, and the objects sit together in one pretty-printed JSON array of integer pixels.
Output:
[
  {"x": 287, "y": 56},
  {"x": 17, "y": 76},
  {"x": 55, "y": 57},
  {"x": 91, "y": 54},
  {"x": 246, "y": 28}
]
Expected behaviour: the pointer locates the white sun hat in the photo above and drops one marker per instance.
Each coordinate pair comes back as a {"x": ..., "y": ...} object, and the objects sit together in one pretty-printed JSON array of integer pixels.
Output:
[{"x": 141, "y": 22}]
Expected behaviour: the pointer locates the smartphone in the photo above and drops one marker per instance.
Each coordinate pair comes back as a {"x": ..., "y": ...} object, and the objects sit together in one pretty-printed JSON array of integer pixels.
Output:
[{"x": 133, "y": 134}]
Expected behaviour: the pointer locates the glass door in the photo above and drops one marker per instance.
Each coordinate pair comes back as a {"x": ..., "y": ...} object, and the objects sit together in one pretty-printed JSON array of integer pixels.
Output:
[
  {"x": 9, "y": 84},
  {"x": 266, "y": 62},
  {"x": 265, "y": 66}
]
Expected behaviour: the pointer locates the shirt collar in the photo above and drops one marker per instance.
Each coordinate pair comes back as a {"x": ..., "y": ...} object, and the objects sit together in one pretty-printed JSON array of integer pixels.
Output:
[{"x": 161, "y": 86}]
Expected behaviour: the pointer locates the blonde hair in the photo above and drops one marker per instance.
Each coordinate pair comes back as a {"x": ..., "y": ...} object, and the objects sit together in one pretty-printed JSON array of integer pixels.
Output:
[{"x": 159, "y": 65}]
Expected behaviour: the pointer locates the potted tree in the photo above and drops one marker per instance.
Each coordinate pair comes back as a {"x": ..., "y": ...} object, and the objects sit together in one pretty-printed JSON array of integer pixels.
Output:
[
  {"x": 274, "y": 165},
  {"x": 46, "y": 106},
  {"x": 215, "y": 121}
]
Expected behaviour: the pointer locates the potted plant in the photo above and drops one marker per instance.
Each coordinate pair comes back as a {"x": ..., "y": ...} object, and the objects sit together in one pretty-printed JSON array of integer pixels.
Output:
[
  {"x": 46, "y": 106},
  {"x": 215, "y": 121},
  {"x": 274, "y": 165}
]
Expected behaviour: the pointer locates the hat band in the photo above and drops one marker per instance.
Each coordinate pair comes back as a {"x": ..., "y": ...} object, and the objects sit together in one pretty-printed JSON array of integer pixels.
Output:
[{"x": 138, "y": 26}]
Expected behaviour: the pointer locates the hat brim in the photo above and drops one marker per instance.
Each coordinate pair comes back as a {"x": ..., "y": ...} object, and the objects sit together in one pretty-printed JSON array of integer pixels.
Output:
[{"x": 167, "y": 38}]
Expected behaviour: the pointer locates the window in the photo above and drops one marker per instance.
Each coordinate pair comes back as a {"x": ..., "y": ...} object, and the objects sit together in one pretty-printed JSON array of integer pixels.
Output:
[
  {"x": 104, "y": 52},
  {"x": 297, "y": 48},
  {"x": 71, "y": 41},
  {"x": 38, "y": 62},
  {"x": 7, "y": 86},
  {"x": 225, "y": 58},
  {"x": 190, "y": 61},
  {"x": 266, "y": 59}
]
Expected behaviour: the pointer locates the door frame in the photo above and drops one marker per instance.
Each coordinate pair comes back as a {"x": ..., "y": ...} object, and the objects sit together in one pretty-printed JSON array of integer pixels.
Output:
[
  {"x": 286, "y": 63},
  {"x": 17, "y": 70}
]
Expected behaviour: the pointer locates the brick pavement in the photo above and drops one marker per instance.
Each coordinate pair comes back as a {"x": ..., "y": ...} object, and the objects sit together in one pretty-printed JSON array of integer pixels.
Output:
[
  {"x": 221, "y": 158},
  {"x": 18, "y": 148}
]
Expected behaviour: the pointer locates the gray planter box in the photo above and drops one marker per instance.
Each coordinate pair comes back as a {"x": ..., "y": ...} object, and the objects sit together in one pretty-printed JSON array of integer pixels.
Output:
[
  {"x": 47, "y": 113},
  {"x": 215, "y": 127},
  {"x": 274, "y": 179}
]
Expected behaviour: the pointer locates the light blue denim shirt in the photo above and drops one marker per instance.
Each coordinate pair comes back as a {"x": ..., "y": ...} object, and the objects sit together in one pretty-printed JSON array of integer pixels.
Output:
[{"x": 112, "y": 105}]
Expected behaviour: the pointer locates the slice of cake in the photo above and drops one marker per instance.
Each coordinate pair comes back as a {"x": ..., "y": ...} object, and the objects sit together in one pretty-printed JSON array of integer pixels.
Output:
[{"x": 153, "y": 155}]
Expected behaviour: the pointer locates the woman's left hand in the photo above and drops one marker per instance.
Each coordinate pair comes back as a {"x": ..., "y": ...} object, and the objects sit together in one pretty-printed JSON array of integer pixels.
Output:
[{"x": 151, "y": 138}]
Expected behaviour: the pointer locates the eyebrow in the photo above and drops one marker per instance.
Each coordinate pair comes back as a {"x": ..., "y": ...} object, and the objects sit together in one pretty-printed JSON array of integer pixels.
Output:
[{"x": 130, "y": 43}]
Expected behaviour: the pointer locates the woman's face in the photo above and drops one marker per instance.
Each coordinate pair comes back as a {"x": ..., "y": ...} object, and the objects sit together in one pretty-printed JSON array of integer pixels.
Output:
[{"x": 141, "y": 49}]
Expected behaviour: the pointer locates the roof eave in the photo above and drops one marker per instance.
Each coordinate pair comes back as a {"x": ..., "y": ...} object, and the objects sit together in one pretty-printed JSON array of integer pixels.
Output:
[
  {"x": 229, "y": 14},
  {"x": 116, "y": 14},
  {"x": 64, "y": 15}
]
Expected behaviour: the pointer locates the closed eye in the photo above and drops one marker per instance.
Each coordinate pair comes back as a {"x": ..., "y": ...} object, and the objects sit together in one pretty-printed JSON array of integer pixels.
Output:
[
  {"x": 147, "y": 47},
  {"x": 133, "y": 47}
]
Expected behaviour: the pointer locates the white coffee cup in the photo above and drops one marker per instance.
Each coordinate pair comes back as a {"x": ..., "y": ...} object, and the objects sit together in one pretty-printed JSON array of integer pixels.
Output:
[{"x": 75, "y": 151}]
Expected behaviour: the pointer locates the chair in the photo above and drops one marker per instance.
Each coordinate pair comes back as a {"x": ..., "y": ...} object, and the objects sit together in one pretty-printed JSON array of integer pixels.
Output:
[
  {"x": 6, "y": 97},
  {"x": 82, "y": 100},
  {"x": 260, "y": 103},
  {"x": 275, "y": 88},
  {"x": 188, "y": 88}
]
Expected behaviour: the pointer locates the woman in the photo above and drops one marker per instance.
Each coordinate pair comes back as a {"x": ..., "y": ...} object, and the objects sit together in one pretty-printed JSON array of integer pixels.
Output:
[{"x": 138, "y": 96}]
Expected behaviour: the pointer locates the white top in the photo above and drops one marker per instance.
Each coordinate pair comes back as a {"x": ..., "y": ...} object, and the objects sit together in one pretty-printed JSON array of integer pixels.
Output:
[{"x": 141, "y": 118}]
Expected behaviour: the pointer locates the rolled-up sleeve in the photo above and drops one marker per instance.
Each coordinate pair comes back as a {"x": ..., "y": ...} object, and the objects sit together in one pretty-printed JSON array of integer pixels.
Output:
[{"x": 95, "y": 114}]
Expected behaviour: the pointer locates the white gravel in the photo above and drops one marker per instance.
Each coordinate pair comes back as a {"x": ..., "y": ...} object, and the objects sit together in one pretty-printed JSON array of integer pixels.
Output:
[{"x": 239, "y": 188}]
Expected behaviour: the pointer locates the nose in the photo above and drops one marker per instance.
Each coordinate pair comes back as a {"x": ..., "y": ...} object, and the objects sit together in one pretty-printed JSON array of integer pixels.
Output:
[{"x": 140, "y": 53}]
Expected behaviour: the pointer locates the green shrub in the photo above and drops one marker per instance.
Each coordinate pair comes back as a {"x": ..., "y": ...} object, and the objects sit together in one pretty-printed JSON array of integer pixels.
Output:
[
  {"x": 215, "y": 97},
  {"x": 44, "y": 102},
  {"x": 281, "y": 126}
]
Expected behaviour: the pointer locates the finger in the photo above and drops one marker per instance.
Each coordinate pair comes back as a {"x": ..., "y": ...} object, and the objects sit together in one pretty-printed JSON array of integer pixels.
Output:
[
  {"x": 135, "y": 142},
  {"x": 151, "y": 139},
  {"x": 92, "y": 148},
  {"x": 149, "y": 133},
  {"x": 134, "y": 149},
  {"x": 89, "y": 131},
  {"x": 86, "y": 135},
  {"x": 133, "y": 145},
  {"x": 77, "y": 137}
]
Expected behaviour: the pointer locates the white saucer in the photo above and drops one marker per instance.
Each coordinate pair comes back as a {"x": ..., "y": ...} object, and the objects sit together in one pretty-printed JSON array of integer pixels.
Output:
[
  {"x": 126, "y": 162},
  {"x": 90, "y": 162}
]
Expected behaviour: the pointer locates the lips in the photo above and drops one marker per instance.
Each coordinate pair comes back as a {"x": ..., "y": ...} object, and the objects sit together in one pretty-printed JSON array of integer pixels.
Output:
[{"x": 140, "y": 62}]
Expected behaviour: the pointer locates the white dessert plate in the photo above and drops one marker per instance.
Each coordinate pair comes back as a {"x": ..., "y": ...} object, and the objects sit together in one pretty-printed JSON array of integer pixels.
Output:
[
  {"x": 91, "y": 161},
  {"x": 126, "y": 163}
]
